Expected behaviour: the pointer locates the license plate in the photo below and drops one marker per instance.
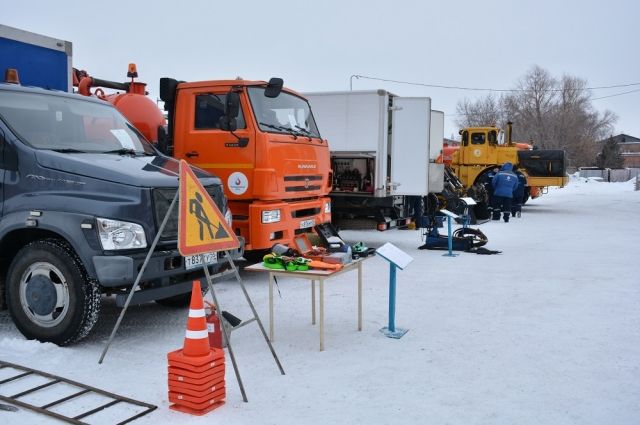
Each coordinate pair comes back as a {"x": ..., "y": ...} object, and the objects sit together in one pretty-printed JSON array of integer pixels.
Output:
[
  {"x": 307, "y": 223},
  {"x": 193, "y": 261}
]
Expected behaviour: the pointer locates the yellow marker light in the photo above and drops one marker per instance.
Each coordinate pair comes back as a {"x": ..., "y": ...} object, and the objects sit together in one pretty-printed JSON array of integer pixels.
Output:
[
  {"x": 133, "y": 71},
  {"x": 11, "y": 76}
]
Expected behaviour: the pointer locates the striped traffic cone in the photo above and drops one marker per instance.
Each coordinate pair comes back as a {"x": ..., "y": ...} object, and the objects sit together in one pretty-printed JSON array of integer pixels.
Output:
[{"x": 196, "y": 372}]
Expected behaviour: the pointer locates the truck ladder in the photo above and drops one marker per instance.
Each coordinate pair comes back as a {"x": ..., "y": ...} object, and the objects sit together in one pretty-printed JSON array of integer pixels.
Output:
[{"x": 52, "y": 381}]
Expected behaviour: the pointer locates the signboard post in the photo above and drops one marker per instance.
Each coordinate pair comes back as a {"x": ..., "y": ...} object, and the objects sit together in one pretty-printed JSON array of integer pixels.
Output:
[
  {"x": 397, "y": 259},
  {"x": 450, "y": 216},
  {"x": 468, "y": 202}
]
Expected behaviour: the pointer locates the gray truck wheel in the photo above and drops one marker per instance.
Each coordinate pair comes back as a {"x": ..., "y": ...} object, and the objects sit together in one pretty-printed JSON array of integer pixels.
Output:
[{"x": 49, "y": 295}]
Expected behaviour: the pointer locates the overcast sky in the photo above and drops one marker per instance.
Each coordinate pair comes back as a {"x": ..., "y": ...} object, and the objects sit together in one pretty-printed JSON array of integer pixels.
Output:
[{"x": 317, "y": 46}]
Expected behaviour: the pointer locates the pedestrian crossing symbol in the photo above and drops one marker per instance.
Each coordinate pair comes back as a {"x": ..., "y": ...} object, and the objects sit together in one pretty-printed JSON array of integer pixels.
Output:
[{"x": 202, "y": 227}]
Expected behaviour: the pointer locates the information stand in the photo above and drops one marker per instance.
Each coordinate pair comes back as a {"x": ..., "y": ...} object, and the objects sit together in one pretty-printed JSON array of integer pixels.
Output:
[
  {"x": 466, "y": 219},
  {"x": 397, "y": 259},
  {"x": 450, "y": 216}
]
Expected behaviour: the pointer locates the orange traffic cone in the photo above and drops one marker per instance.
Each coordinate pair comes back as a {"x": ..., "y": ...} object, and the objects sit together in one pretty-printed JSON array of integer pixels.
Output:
[
  {"x": 196, "y": 372},
  {"x": 196, "y": 341}
]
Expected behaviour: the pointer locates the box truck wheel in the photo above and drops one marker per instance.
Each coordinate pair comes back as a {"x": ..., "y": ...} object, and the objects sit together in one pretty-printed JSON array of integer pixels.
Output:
[{"x": 49, "y": 294}]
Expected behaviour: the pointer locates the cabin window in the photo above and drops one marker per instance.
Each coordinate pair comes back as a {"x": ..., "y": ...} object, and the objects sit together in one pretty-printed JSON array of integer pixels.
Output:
[
  {"x": 477, "y": 138},
  {"x": 209, "y": 110}
]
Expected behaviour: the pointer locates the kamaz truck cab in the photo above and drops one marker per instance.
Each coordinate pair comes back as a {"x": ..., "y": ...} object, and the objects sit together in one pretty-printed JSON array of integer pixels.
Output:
[{"x": 262, "y": 140}]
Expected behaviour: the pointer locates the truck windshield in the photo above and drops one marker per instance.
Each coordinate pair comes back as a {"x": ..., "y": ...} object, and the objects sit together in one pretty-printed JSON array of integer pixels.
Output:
[
  {"x": 71, "y": 125},
  {"x": 284, "y": 114}
]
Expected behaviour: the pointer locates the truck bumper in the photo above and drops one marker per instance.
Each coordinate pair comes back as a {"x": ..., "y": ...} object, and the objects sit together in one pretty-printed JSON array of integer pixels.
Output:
[
  {"x": 165, "y": 268},
  {"x": 295, "y": 218}
]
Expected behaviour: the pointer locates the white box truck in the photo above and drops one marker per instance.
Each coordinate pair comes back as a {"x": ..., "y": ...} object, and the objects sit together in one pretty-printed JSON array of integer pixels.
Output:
[{"x": 383, "y": 150}]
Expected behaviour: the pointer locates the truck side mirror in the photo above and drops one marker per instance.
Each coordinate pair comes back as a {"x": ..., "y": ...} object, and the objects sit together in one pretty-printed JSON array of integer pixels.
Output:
[
  {"x": 232, "y": 105},
  {"x": 227, "y": 124},
  {"x": 8, "y": 155},
  {"x": 228, "y": 121},
  {"x": 163, "y": 140},
  {"x": 274, "y": 87},
  {"x": 168, "y": 88}
]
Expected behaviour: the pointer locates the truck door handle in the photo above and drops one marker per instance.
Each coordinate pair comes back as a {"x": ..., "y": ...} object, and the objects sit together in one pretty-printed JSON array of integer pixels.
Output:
[{"x": 191, "y": 154}]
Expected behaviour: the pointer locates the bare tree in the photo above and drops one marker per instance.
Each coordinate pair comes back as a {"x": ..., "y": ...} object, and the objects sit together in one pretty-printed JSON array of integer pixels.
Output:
[
  {"x": 555, "y": 114},
  {"x": 484, "y": 112}
]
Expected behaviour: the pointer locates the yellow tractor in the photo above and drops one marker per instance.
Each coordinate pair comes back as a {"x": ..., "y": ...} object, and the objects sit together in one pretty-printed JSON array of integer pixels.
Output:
[{"x": 482, "y": 149}]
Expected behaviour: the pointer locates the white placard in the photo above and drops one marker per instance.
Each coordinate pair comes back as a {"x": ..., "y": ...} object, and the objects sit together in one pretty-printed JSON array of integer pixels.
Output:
[
  {"x": 448, "y": 213},
  {"x": 468, "y": 201},
  {"x": 292, "y": 121},
  {"x": 395, "y": 255},
  {"x": 123, "y": 138}
]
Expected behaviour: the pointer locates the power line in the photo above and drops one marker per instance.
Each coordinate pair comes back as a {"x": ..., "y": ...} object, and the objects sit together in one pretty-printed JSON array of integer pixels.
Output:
[
  {"x": 439, "y": 86},
  {"x": 614, "y": 95}
]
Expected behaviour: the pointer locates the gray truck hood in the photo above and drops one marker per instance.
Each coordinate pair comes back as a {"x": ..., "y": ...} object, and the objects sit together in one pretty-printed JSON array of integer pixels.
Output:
[{"x": 141, "y": 171}]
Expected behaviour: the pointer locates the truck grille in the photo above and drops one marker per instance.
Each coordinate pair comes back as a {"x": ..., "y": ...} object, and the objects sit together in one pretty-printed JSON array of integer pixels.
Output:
[
  {"x": 303, "y": 183},
  {"x": 162, "y": 200}
]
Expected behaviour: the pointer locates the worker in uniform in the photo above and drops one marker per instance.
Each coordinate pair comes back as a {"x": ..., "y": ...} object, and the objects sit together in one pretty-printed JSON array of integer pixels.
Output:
[
  {"x": 489, "y": 187},
  {"x": 504, "y": 184},
  {"x": 518, "y": 194}
]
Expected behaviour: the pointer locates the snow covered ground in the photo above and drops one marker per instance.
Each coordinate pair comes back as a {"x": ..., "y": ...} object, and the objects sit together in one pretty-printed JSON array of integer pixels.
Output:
[{"x": 548, "y": 332}]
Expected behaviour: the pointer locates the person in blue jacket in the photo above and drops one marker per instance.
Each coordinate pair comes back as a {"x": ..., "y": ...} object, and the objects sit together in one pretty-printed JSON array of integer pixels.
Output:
[
  {"x": 518, "y": 194},
  {"x": 504, "y": 184}
]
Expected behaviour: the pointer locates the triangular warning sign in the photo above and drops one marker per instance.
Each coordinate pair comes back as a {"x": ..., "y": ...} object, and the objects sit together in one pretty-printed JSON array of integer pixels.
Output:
[{"x": 202, "y": 227}]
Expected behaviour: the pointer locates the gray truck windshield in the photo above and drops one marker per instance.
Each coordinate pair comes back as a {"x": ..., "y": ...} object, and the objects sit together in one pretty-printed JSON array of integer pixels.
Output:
[
  {"x": 284, "y": 114},
  {"x": 69, "y": 125}
]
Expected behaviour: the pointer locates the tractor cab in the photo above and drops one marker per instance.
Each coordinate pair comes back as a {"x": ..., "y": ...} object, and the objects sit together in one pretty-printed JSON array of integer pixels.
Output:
[{"x": 479, "y": 146}]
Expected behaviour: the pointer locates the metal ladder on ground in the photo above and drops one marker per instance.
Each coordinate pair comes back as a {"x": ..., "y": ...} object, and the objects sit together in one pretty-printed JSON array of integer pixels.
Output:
[{"x": 52, "y": 381}]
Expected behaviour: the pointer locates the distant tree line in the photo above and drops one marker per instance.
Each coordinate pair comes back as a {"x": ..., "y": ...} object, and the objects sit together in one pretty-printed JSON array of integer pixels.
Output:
[
  {"x": 550, "y": 112},
  {"x": 609, "y": 156}
]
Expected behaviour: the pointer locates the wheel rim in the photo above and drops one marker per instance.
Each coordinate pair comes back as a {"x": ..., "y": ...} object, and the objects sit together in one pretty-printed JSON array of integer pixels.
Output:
[{"x": 44, "y": 294}]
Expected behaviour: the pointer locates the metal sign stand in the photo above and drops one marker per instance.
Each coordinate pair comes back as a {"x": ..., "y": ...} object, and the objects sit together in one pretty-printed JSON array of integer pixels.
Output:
[
  {"x": 255, "y": 318},
  {"x": 450, "y": 216},
  {"x": 209, "y": 283},
  {"x": 137, "y": 281},
  {"x": 397, "y": 259}
]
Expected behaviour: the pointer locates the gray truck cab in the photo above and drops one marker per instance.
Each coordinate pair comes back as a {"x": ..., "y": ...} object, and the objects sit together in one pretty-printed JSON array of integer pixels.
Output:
[{"x": 82, "y": 196}]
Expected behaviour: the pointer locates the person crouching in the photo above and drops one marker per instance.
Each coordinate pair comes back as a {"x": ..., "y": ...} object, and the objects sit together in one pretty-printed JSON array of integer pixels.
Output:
[{"x": 504, "y": 184}]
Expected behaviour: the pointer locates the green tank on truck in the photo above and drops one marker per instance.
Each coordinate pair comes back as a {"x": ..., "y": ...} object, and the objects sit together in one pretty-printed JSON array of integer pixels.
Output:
[{"x": 82, "y": 197}]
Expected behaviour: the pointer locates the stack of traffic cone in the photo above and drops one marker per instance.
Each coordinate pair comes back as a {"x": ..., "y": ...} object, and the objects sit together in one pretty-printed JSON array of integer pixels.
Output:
[{"x": 196, "y": 372}]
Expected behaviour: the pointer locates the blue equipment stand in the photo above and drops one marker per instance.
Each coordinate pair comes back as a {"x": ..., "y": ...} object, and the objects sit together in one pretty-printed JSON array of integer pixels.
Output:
[
  {"x": 449, "y": 239},
  {"x": 391, "y": 331},
  {"x": 397, "y": 259}
]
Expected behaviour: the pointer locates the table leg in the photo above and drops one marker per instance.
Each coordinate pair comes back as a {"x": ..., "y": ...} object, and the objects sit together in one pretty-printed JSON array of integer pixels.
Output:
[
  {"x": 313, "y": 302},
  {"x": 321, "y": 314},
  {"x": 271, "y": 307},
  {"x": 360, "y": 296}
]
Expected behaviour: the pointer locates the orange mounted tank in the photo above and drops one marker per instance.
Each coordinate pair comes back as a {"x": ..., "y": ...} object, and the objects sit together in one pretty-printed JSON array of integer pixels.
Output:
[{"x": 133, "y": 103}]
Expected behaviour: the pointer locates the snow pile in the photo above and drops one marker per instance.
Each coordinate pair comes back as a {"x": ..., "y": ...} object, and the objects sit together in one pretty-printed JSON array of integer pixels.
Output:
[{"x": 548, "y": 332}]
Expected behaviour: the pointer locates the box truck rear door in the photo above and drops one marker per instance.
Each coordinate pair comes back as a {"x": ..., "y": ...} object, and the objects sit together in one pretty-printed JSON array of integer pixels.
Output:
[{"x": 410, "y": 145}]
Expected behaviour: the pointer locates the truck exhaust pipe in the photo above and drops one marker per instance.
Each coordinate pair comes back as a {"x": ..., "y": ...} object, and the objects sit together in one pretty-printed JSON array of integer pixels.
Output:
[{"x": 509, "y": 131}]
